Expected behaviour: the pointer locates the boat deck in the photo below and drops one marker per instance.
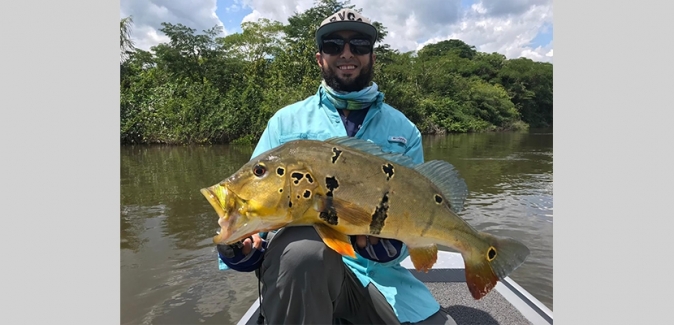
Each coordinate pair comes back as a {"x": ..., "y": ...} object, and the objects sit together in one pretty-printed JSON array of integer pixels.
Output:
[
  {"x": 507, "y": 304},
  {"x": 493, "y": 309}
]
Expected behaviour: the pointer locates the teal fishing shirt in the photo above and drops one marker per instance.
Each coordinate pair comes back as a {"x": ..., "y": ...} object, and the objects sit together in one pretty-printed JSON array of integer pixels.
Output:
[{"x": 316, "y": 118}]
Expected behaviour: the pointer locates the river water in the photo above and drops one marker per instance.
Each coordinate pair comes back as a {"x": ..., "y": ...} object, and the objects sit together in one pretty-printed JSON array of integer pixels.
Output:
[{"x": 169, "y": 270}]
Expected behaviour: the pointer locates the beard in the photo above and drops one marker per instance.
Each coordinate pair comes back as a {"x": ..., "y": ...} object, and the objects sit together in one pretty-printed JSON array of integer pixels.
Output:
[{"x": 356, "y": 84}]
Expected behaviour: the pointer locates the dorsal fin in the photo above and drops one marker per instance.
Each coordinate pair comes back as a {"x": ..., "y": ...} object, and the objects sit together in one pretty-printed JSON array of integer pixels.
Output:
[
  {"x": 373, "y": 149},
  {"x": 441, "y": 173},
  {"x": 447, "y": 179}
]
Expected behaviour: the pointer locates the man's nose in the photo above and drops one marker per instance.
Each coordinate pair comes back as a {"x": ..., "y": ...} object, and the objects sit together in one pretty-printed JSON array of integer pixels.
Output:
[{"x": 346, "y": 53}]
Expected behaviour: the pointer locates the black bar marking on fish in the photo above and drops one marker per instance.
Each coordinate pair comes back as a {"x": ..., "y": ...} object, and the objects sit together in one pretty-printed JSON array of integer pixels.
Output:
[
  {"x": 297, "y": 176},
  {"x": 388, "y": 170},
  {"x": 330, "y": 213},
  {"x": 336, "y": 153},
  {"x": 280, "y": 171},
  {"x": 307, "y": 194},
  {"x": 332, "y": 184},
  {"x": 438, "y": 199},
  {"x": 380, "y": 214},
  {"x": 309, "y": 178}
]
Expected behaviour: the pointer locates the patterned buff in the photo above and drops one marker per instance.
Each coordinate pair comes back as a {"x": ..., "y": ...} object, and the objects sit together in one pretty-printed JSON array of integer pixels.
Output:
[{"x": 353, "y": 100}]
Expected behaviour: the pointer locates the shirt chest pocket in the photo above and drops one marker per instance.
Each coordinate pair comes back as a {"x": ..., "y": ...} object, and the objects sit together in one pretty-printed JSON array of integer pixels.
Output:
[{"x": 394, "y": 146}]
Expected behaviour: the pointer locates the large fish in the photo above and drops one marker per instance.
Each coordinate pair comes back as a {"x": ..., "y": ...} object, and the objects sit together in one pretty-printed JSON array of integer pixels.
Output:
[{"x": 347, "y": 186}]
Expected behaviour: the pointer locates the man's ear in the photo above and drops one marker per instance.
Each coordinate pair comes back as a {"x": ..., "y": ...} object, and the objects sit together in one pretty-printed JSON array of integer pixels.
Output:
[{"x": 318, "y": 59}]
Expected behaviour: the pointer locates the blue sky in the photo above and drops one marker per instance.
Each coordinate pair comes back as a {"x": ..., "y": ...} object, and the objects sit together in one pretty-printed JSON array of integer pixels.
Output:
[
  {"x": 231, "y": 14},
  {"x": 544, "y": 36},
  {"x": 514, "y": 28}
]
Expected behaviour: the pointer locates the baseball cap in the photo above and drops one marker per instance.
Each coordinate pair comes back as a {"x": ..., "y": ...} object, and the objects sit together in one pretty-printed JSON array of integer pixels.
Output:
[{"x": 346, "y": 19}]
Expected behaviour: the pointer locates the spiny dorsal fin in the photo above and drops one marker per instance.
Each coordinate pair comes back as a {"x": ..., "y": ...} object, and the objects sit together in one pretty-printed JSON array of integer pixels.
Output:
[
  {"x": 440, "y": 172},
  {"x": 373, "y": 149},
  {"x": 447, "y": 179}
]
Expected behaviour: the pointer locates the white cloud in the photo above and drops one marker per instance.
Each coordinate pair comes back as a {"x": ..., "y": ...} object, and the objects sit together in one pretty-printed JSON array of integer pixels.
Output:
[
  {"x": 148, "y": 15},
  {"x": 500, "y": 26},
  {"x": 506, "y": 27},
  {"x": 278, "y": 10},
  {"x": 508, "y": 34}
]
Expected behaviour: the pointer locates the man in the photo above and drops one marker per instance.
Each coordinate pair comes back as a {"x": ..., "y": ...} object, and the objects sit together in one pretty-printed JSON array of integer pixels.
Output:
[{"x": 302, "y": 280}]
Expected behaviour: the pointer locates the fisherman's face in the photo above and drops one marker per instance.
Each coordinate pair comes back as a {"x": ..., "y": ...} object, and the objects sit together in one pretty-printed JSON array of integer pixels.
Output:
[{"x": 349, "y": 69}]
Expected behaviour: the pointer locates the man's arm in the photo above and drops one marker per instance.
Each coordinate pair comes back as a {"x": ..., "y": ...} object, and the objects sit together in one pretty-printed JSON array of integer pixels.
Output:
[
  {"x": 269, "y": 138},
  {"x": 245, "y": 256}
]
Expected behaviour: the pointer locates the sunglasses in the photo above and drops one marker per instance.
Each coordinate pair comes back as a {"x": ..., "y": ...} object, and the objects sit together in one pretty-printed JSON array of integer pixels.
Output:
[{"x": 358, "y": 46}]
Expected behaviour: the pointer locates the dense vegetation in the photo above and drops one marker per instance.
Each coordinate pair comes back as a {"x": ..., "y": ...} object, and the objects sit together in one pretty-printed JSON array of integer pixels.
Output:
[{"x": 201, "y": 88}]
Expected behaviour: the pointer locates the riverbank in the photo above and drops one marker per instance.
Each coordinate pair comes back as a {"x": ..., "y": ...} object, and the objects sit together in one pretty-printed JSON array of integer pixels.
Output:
[{"x": 518, "y": 126}]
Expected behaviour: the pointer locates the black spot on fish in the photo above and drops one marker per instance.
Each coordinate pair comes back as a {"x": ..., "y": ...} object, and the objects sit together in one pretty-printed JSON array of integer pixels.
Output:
[
  {"x": 298, "y": 196},
  {"x": 307, "y": 194},
  {"x": 438, "y": 199},
  {"x": 388, "y": 170},
  {"x": 329, "y": 215},
  {"x": 309, "y": 178},
  {"x": 380, "y": 214},
  {"x": 280, "y": 190},
  {"x": 280, "y": 171},
  {"x": 491, "y": 254},
  {"x": 297, "y": 176},
  {"x": 290, "y": 204},
  {"x": 336, "y": 153},
  {"x": 331, "y": 183}
]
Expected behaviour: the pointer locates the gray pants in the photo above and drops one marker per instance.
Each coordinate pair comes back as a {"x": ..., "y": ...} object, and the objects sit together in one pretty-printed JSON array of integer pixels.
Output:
[{"x": 305, "y": 282}]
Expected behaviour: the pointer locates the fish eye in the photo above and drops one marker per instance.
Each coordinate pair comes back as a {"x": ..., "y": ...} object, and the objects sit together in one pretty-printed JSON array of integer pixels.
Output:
[{"x": 259, "y": 170}]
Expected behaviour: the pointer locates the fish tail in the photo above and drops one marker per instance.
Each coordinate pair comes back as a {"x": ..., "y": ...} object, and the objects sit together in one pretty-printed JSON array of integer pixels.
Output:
[{"x": 486, "y": 266}]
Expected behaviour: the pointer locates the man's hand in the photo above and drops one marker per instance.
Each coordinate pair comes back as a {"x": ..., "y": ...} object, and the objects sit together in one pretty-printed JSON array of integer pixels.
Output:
[
  {"x": 361, "y": 240},
  {"x": 245, "y": 255},
  {"x": 377, "y": 249},
  {"x": 249, "y": 244}
]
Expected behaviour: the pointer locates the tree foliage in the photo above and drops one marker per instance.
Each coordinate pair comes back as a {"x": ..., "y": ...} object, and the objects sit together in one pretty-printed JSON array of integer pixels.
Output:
[{"x": 203, "y": 88}]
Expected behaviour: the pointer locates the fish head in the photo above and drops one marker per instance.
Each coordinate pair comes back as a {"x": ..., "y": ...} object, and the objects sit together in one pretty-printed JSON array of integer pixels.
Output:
[{"x": 252, "y": 200}]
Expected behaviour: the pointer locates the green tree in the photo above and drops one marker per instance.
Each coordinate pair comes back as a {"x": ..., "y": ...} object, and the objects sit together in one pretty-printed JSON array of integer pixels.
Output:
[
  {"x": 126, "y": 45},
  {"x": 207, "y": 88}
]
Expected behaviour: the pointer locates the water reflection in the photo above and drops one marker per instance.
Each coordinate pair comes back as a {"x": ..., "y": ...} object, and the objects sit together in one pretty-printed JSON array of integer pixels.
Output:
[{"x": 169, "y": 272}]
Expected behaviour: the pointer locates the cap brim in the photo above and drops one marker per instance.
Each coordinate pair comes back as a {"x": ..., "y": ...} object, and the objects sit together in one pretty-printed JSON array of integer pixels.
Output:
[{"x": 355, "y": 26}]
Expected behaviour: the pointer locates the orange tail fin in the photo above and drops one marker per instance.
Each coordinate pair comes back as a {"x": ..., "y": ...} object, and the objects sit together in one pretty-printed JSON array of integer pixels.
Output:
[{"x": 485, "y": 268}]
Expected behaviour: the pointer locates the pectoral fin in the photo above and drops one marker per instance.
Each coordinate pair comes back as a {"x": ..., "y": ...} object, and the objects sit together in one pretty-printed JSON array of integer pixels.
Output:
[
  {"x": 336, "y": 240},
  {"x": 424, "y": 257},
  {"x": 336, "y": 211}
]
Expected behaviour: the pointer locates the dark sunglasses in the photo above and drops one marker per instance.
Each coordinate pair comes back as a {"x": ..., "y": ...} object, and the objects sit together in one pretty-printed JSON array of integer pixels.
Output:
[{"x": 358, "y": 46}]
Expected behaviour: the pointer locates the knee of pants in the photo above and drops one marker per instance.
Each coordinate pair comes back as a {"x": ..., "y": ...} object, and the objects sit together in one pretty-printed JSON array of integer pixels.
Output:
[{"x": 301, "y": 250}]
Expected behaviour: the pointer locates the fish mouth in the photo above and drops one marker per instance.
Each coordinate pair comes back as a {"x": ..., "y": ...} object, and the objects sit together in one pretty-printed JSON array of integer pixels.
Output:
[
  {"x": 237, "y": 219},
  {"x": 216, "y": 195},
  {"x": 222, "y": 200}
]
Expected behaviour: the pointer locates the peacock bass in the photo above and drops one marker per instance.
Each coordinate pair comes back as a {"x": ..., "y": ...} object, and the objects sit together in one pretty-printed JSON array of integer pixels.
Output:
[{"x": 346, "y": 186}]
